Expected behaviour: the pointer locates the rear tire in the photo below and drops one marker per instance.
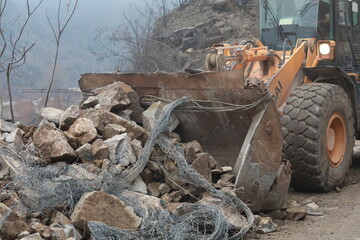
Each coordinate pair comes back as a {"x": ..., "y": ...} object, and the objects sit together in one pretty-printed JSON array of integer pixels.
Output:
[{"x": 318, "y": 133}]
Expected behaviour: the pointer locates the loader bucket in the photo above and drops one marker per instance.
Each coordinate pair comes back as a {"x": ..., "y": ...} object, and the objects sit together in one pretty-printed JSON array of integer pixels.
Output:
[{"x": 247, "y": 140}]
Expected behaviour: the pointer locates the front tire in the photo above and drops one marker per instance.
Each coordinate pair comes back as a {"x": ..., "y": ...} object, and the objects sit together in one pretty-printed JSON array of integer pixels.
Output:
[{"x": 318, "y": 133}]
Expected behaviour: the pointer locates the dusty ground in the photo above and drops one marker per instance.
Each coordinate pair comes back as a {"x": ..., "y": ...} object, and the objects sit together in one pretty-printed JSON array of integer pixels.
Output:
[{"x": 341, "y": 219}]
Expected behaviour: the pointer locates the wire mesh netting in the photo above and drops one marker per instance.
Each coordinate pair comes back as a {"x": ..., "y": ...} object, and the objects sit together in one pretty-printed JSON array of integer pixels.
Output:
[{"x": 52, "y": 187}]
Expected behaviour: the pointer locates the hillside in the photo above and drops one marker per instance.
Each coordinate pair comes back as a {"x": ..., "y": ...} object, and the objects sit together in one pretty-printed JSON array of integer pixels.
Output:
[{"x": 200, "y": 24}]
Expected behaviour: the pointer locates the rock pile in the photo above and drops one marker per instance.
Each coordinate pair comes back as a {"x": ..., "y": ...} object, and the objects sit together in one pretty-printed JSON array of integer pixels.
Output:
[{"x": 65, "y": 178}]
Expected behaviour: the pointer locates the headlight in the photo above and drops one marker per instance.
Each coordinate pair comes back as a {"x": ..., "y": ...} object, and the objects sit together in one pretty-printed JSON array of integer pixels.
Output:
[{"x": 324, "y": 49}]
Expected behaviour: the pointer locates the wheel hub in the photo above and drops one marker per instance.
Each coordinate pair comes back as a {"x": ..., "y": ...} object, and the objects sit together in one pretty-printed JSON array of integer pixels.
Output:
[{"x": 336, "y": 140}]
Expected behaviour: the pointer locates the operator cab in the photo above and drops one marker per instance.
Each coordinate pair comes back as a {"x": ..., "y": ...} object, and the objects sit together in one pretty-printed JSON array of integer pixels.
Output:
[
  {"x": 283, "y": 22},
  {"x": 296, "y": 18}
]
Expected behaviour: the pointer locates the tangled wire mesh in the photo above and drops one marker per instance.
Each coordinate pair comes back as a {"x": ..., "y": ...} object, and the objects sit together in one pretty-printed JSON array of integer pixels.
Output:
[
  {"x": 47, "y": 188},
  {"x": 195, "y": 223}
]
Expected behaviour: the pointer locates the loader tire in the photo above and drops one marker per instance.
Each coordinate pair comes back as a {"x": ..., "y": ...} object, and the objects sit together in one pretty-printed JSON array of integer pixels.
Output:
[{"x": 318, "y": 133}]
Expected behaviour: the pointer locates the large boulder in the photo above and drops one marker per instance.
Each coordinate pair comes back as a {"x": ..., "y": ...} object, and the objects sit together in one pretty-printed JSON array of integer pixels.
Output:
[
  {"x": 119, "y": 96},
  {"x": 53, "y": 144},
  {"x": 102, "y": 207},
  {"x": 84, "y": 130}
]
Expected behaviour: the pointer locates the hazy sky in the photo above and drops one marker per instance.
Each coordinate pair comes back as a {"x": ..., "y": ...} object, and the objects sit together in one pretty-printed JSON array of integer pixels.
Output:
[{"x": 75, "y": 56}]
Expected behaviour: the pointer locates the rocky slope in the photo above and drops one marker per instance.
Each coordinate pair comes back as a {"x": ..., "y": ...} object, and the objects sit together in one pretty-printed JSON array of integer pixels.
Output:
[{"x": 199, "y": 24}]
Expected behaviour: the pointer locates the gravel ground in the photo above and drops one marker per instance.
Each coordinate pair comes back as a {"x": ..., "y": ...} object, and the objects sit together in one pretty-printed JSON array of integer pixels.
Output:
[{"x": 341, "y": 219}]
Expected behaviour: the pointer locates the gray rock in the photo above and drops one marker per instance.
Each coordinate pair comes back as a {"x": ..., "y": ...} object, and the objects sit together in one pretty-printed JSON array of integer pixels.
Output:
[
  {"x": 52, "y": 114},
  {"x": 266, "y": 225},
  {"x": 15, "y": 139},
  {"x": 44, "y": 230},
  {"x": 57, "y": 232},
  {"x": 136, "y": 146},
  {"x": 232, "y": 216},
  {"x": 34, "y": 236},
  {"x": 296, "y": 213},
  {"x": 120, "y": 150},
  {"x": 119, "y": 96},
  {"x": 7, "y": 126},
  {"x": 84, "y": 153},
  {"x": 145, "y": 202},
  {"x": 112, "y": 130},
  {"x": 58, "y": 217},
  {"x": 23, "y": 234},
  {"x": 14, "y": 165},
  {"x": 72, "y": 233},
  {"x": 69, "y": 117},
  {"x": 152, "y": 114},
  {"x": 102, "y": 118},
  {"x": 90, "y": 102},
  {"x": 223, "y": 5},
  {"x": 138, "y": 186},
  {"x": 77, "y": 172}
]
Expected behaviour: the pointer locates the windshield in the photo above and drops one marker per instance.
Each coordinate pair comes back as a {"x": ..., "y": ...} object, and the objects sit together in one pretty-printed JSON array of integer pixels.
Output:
[{"x": 289, "y": 12}]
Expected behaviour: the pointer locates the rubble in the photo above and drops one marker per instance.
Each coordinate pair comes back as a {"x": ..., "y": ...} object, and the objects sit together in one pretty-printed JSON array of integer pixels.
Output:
[{"x": 67, "y": 175}]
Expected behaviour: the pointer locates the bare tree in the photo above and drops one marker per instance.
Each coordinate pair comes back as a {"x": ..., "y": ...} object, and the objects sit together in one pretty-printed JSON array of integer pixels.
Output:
[
  {"x": 3, "y": 4},
  {"x": 58, "y": 30},
  {"x": 134, "y": 44},
  {"x": 19, "y": 49}
]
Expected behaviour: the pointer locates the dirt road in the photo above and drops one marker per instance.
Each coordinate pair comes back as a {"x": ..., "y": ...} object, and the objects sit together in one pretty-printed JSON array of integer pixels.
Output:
[{"x": 341, "y": 219}]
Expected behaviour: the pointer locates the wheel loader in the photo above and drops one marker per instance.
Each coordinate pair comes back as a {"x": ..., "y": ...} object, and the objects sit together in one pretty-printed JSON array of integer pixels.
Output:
[{"x": 290, "y": 98}]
